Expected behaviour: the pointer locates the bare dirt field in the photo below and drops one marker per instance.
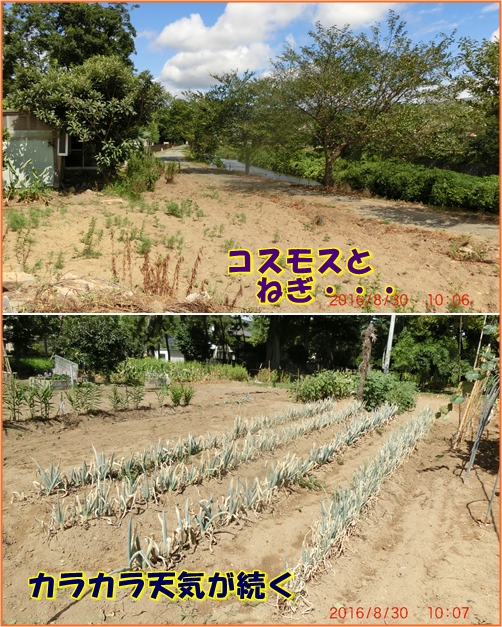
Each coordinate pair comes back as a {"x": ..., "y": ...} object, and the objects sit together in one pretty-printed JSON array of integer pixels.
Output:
[
  {"x": 86, "y": 251},
  {"x": 422, "y": 544}
]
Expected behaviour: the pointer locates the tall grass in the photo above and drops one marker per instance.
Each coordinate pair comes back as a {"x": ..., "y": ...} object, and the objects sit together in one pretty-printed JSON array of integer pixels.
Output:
[{"x": 136, "y": 370}]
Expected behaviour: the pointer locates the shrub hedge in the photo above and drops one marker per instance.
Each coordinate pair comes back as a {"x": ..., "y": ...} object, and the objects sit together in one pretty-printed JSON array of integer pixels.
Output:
[
  {"x": 405, "y": 181},
  {"x": 392, "y": 179}
]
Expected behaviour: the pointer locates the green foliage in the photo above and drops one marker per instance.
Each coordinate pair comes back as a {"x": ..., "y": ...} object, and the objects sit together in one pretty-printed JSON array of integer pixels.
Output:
[
  {"x": 118, "y": 400},
  {"x": 404, "y": 181},
  {"x": 380, "y": 388},
  {"x": 90, "y": 239},
  {"x": 102, "y": 103},
  {"x": 43, "y": 396},
  {"x": 162, "y": 394},
  {"x": 134, "y": 371},
  {"x": 96, "y": 343},
  {"x": 372, "y": 76},
  {"x": 171, "y": 169},
  {"x": 16, "y": 221},
  {"x": 324, "y": 384},
  {"x": 184, "y": 209},
  {"x": 136, "y": 394},
  {"x": 84, "y": 398},
  {"x": 141, "y": 174},
  {"x": 145, "y": 245},
  {"x": 63, "y": 35},
  {"x": 188, "y": 394},
  {"x": 14, "y": 397},
  {"x": 176, "y": 392},
  {"x": 481, "y": 78},
  {"x": 24, "y": 184}
]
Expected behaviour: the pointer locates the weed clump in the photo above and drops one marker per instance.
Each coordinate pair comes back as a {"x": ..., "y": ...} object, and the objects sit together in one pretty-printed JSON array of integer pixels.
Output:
[
  {"x": 325, "y": 384},
  {"x": 142, "y": 172}
]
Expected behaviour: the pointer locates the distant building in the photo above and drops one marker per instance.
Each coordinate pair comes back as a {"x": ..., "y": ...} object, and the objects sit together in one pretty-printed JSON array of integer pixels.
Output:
[{"x": 174, "y": 352}]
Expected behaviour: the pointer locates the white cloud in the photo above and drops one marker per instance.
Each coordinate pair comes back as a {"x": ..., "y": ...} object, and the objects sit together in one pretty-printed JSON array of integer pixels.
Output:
[
  {"x": 147, "y": 34},
  {"x": 240, "y": 24},
  {"x": 243, "y": 37},
  {"x": 357, "y": 14},
  {"x": 237, "y": 41},
  {"x": 192, "y": 70},
  {"x": 495, "y": 36},
  {"x": 490, "y": 7},
  {"x": 290, "y": 40}
]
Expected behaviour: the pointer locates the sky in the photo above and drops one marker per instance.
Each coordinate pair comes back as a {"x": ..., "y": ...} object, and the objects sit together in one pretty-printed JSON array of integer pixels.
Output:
[{"x": 183, "y": 43}]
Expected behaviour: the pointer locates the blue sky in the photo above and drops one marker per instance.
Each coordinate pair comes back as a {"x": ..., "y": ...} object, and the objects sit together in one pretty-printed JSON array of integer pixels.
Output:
[{"x": 183, "y": 43}]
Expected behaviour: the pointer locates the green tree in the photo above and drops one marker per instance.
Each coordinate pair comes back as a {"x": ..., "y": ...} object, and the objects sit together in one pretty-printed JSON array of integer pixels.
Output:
[
  {"x": 244, "y": 107},
  {"x": 435, "y": 350},
  {"x": 480, "y": 78},
  {"x": 101, "y": 102},
  {"x": 192, "y": 337},
  {"x": 343, "y": 82},
  {"x": 24, "y": 331},
  {"x": 62, "y": 35},
  {"x": 175, "y": 120},
  {"x": 96, "y": 343}
]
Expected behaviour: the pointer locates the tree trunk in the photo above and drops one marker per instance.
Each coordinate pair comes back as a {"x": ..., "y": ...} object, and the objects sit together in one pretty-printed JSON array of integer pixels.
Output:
[
  {"x": 166, "y": 335},
  {"x": 369, "y": 337},
  {"x": 247, "y": 160},
  {"x": 330, "y": 156},
  {"x": 273, "y": 356},
  {"x": 328, "y": 171}
]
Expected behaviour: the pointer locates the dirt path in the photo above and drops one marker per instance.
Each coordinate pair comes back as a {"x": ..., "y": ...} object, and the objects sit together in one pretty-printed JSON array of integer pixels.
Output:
[
  {"x": 421, "y": 545},
  {"x": 435, "y": 260},
  {"x": 452, "y": 221}
]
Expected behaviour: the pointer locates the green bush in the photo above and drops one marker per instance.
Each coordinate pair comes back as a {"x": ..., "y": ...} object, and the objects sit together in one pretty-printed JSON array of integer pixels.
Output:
[
  {"x": 325, "y": 384},
  {"x": 176, "y": 392},
  {"x": 142, "y": 172},
  {"x": 405, "y": 181},
  {"x": 188, "y": 394},
  {"x": 380, "y": 388},
  {"x": 29, "y": 366}
]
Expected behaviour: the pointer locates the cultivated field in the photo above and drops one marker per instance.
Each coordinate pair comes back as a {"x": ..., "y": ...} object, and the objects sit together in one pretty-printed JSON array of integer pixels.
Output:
[
  {"x": 92, "y": 252},
  {"x": 250, "y": 481}
]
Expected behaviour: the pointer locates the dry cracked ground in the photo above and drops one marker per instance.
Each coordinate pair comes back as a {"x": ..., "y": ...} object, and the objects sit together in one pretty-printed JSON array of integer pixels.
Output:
[{"x": 86, "y": 251}]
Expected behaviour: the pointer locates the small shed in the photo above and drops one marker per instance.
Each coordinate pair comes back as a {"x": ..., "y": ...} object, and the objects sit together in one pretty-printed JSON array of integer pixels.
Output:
[
  {"x": 30, "y": 139},
  {"x": 51, "y": 151}
]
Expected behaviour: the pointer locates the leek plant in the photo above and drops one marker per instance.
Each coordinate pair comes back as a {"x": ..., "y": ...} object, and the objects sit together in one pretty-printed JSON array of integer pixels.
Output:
[{"x": 347, "y": 505}]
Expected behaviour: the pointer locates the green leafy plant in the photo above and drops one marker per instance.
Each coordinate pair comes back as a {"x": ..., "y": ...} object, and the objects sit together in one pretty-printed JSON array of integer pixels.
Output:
[
  {"x": 84, "y": 398},
  {"x": 324, "y": 384},
  {"x": 188, "y": 394},
  {"x": 43, "y": 396},
  {"x": 162, "y": 394},
  {"x": 145, "y": 245},
  {"x": 117, "y": 400},
  {"x": 176, "y": 393},
  {"x": 14, "y": 397},
  {"x": 171, "y": 170},
  {"x": 136, "y": 394},
  {"x": 90, "y": 239},
  {"x": 382, "y": 388}
]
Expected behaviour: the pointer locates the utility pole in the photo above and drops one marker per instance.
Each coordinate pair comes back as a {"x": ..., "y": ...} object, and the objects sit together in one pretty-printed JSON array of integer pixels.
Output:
[{"x": 388, "y": 350}]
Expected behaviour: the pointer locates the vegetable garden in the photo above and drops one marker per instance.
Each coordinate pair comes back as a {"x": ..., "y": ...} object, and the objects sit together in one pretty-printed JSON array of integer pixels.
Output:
[{"x": 245, "y": 483}]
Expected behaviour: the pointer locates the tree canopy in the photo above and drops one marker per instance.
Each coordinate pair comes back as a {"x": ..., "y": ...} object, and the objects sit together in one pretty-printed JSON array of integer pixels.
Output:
[
  {"x": 63, "y": 35},
  {"x": 343, "y": 82},
  {"x": 101, "y": 102}
]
